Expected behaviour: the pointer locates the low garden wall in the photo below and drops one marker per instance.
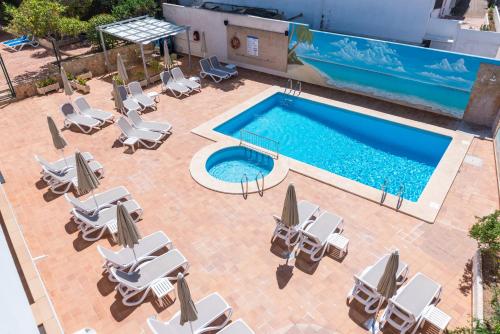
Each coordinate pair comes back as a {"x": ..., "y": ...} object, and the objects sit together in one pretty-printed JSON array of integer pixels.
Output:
[{"x": 94, "y": 62}]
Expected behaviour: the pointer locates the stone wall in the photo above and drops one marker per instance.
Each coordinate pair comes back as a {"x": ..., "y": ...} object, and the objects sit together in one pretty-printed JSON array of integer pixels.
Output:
[
  {"x": 484, "y": 102},
  {"x": 93, "y": 62}
]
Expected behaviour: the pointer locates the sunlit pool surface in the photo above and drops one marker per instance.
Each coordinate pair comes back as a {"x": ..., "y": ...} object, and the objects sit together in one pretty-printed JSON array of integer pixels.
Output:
[
  {"x": 362, "y": 148},
  {"x": 232, "y": 163}
]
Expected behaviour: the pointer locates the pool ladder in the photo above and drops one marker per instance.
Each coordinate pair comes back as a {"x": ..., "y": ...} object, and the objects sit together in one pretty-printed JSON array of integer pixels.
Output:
[
  {"x": 399, "y": 194},
  {"x": 290, "y": 90},
  {"x": 244, "y": 184}
]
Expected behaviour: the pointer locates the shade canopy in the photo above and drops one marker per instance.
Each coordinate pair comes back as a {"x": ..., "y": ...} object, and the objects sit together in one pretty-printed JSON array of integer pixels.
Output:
[
  {"x": 68, "y": 90},
  {"x": 142, "y": 30},
  {"x": 387, "y": 284},
  {"x": 58, "y": 140},
  {"x": 290, "y": 214},
  {"x": 188, "y": 309},
  {"x": 87, "y": 181}
]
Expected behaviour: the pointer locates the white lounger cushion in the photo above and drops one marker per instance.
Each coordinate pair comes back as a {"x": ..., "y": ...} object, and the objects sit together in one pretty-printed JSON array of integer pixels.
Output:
[
  {"x": 138, "y": 95},
  {"x": 104, "y": 200},
  {"x": 108, "y": 215},
  {"x": 209, "y": 309},
  {"x": 415, "y": 296},
  {"x": 141, "y": 124},
  {"x": 62, "y": 164},
  {"x": 129, "y": 131},
  {"x": 87, "y": 110},
  {"x": 125, "y": 257},
  {"x": 373, "y": 274},
  {"x": 323, "y": 227},
  {"x": 180, "y": 78},
  {"x": 147, "y": 273}
]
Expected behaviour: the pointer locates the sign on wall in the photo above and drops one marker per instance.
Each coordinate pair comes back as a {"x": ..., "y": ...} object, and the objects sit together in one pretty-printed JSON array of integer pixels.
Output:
[{"x": 253, "y": 46}]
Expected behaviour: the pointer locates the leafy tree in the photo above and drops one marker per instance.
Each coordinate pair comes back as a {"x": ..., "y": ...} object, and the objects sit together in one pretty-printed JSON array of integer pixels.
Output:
[
  {"x": 93, "y": 34},
  {"x": 487, "y": 232},
  {"x": 304, "y": 35},
  {"x": 37, "y": 17},
  {"x": 70, "y": 26},
  {"x": 131, "y": 8},
  {"x": 76, "y": 8}
]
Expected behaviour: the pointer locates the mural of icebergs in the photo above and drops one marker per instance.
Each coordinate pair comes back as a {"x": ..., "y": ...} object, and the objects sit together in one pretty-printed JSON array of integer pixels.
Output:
[{"x": 422, "y": 77}]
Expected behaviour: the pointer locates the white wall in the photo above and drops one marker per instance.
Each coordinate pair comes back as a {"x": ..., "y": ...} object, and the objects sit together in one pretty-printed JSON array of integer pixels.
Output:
[
  {"x": 397, "y": 20},
  {"x": 212, "y": 23},
  {"x": 475, "y": 42},
  {"x": 442, "y": 30}
]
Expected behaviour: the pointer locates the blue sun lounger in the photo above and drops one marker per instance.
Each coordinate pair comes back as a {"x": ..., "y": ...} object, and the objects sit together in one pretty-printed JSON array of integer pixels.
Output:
[{"x": 20, "y": 42}]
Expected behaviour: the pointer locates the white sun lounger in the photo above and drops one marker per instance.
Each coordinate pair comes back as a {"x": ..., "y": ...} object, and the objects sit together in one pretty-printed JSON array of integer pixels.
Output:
[
  {"x": 140, "y": 124},
  {"x": 149, "y": 139},
  {"x": 61, "y": 183},
  {"x": 138, "y": 95},
  {"x": 139, "y": 280},
  {"x": 125, "y": 258},
  {"x": 181, "y": 79},
  {"x": 365, "y": 284},
  {"x": 100, "y": 223},
  {"x": 60, "y": 166},
  {"x": 176, "y": 88},
  {"x": 237, "y": 327},
  {"x": 210, "y": 308},
  {"x": 85, "y": 108},
  {"x": 314, "y": 236},
  {"x": 218, "y": 66},
  {"x": 411, "y": 301},
  {"x": 307, "y": 211},
  {"x": 84, "y": 123},
  {"x": 128, "y": 102},
  {"x": 104, "y": 200},
  {"x": 208, "y": 70}
]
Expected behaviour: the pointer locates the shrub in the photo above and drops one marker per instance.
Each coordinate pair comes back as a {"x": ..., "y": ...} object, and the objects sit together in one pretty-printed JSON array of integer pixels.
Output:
[
  {"x": 118, "y": 80},
  {"x": 45, "y": 82},
  {"x": 155, "y": 66},
  {"x": 93, "y": 34},
  {"x": 37, "y": 17},
  {"x": 69, "y": 26},
  {"x": 130, "y": 8},
  {"x": 487, "y": 232},
  {"x": 81, "y": 81}
]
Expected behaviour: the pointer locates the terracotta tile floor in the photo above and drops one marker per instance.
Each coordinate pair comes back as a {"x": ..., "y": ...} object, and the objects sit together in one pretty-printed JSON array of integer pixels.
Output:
[{"x": 226, "y": 238}]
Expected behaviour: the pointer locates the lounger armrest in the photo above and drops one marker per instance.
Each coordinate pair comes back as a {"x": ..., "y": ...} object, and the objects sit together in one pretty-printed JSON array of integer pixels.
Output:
[{"x": 277, "y": 219}]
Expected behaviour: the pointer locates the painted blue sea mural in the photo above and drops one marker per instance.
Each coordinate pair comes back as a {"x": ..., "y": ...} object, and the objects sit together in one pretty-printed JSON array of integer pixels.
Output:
[{"x": 433, "y": 79}]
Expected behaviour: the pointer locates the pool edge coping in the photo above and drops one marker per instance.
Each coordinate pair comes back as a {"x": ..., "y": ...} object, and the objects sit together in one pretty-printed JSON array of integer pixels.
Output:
[{"x": 432, "y": 198}]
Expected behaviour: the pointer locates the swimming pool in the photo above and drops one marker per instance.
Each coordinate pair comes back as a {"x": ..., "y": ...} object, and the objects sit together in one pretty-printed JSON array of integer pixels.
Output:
[
  {"x": 362, "y": 148},
  {"x": 232, "y": 163}
]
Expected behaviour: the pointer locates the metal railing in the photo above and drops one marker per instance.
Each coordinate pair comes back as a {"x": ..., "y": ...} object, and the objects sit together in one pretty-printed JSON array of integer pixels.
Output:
[
  {"x": 259, "y": 143},
  {"x": 384, "y": 191},
  {"x": 260, "y": 189},
  {"x": 244, "y": 188},
  {"x": 7, "y": 78},
  {"x": 289, "y": 89},
  {"x": 400, "y": 196}
]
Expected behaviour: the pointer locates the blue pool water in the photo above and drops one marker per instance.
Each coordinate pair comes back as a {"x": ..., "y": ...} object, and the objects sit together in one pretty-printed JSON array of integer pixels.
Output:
[
  {"x": 365, "y": 149},
  {"x": 230, "y": 164}
]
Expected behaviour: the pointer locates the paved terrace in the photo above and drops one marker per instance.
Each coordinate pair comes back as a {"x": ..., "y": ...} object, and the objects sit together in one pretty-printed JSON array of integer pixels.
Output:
[{"x": 226, "y": 238}]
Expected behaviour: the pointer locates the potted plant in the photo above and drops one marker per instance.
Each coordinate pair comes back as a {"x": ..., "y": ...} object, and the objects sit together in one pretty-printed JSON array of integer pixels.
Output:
[
  {"x": 81, "y": 84},
  {"x": 118, "y": 80},
  {"x": 86, "y": 74},
  {"x": 47, "y": 85},
  {"x": 156, "y": 68}
]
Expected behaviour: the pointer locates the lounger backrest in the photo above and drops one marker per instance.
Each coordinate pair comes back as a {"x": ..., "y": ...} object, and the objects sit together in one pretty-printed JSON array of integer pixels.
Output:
[
  {"x": 205, "y": 65},
  {"x": 122, "y": 91},
  {"x": 45, "y": 164},
  {"x": 135, "y": 88},
  {"x": 158, "y": 327},
  {"x": 165, "y": 77},
  {"x": 215, "y": 62},
  {"x": 177, "y": 73},
  {"x": 73, "y": 200},
  {"x": 125, "y": 127},
  {"x": 134, "y": 117},
  {"x": 108, "y": 255},
  {"x": 82, "y": 104},
  {"x": 416, "y": 295},
  {"x": 68, "y": 110}
]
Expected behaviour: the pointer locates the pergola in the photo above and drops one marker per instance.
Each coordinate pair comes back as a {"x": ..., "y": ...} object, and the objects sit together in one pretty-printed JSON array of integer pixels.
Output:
[{"x": 142, "y": 30}]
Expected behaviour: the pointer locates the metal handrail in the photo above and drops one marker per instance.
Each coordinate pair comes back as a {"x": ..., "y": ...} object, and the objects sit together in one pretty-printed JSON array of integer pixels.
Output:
[
  {"x": 291, "y": 89},
  {"x": 243, "y": 189},
  {"x": 260, "y": 189},
  {"x": 384, "y": 191},
  {"x": 260, "y": 141},
  {"x": 400, "y": 196}
]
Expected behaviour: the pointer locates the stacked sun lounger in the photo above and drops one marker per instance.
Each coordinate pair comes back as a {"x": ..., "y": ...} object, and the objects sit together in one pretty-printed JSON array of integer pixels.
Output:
[
  {"x": 212, "y": 68},
  {"x": 60, "y": 175},
  {"x": 17, "y": 44},
  {"x": 137, "y": 131},
  {"x": 176, "y": 83}
]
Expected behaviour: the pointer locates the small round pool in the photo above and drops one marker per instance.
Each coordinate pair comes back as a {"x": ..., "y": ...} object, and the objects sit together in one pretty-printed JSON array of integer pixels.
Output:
[{"x": 231, "y": 163}]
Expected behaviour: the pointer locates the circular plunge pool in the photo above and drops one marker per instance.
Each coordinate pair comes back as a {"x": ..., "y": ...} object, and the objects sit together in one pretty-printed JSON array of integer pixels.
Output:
[{"x": 230, "y": 164}]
